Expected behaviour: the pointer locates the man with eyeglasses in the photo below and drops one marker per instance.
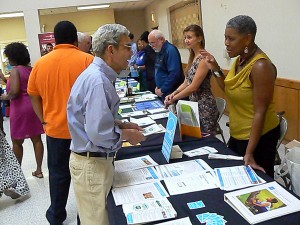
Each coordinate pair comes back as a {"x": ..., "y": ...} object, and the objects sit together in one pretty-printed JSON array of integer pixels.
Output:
[
  {"x": 96, "y": 132},
  {"x": 168, "y": 68}
]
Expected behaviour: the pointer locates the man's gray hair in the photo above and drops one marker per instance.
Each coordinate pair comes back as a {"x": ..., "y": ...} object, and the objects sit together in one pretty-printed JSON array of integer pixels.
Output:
[
  {"x": 244, "y": 24},
  {"x": 157, "y": 34},
  {"x": 81, "y": 36},
  {"x": 106, "y": 35}
]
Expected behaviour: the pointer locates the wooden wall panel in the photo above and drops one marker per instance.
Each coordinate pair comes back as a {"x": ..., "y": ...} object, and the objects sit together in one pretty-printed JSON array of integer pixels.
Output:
[
  {"x": 298, "y": 116},
  {"x": 287, "y": 99}
]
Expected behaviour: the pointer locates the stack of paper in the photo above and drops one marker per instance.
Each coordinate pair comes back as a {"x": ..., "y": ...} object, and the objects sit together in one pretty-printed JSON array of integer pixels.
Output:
[
  {"x": 139, "y": 193},
  {"x": 159, "y": 115},
  {"x": 153, "y": 129},
  {"x": 134, "y": 113},
  {"x": 185, "y": 168},
  {"x": 134, "y": 163},
  {"x": 144, "y": 121},
  {"x": 192, "y": 183},
  {"x": 149, "y": 211},
  {"x": 236, "y": 177},
  {"x": 158, "y": 110},
  {"x": 227, "y": 157},
  {"x": 132, "y": 177},
  {"x": 200, "y": 151}
]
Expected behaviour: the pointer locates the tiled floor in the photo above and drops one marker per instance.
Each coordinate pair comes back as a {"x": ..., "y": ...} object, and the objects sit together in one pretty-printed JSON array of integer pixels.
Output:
[{"x": 30, "y": 210}]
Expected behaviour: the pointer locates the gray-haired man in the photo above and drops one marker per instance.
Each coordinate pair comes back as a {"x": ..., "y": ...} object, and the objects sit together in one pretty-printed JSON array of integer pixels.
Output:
[
  {"x": 84, "y": 42},
  {"x": 96, "y": 133}
]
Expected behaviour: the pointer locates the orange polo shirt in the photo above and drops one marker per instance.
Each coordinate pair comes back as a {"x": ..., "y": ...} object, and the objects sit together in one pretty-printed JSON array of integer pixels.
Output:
[{"x": 52, "y": 78}]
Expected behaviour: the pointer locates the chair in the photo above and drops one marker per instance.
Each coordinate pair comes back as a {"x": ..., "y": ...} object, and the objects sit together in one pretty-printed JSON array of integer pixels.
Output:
[
  {"x": 283, "y": 130},
  {"x": 281, "y": 170},
  {"x": 221, "y": 104}
]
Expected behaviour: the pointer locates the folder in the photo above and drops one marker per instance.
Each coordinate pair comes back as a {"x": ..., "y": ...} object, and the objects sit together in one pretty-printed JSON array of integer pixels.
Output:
[{"x": 188, "y": 117}]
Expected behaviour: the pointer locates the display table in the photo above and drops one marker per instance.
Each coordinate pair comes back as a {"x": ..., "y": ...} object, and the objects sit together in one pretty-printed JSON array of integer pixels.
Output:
[{"x": 213, "y": 199}]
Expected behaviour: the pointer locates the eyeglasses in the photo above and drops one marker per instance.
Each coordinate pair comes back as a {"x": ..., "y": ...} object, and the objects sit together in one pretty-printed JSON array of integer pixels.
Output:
[{"x": 128, "y": 46}]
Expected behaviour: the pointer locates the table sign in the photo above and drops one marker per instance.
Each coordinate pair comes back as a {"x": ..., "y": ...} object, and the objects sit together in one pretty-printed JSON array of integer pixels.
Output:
[{"x": 169, "y": 136}]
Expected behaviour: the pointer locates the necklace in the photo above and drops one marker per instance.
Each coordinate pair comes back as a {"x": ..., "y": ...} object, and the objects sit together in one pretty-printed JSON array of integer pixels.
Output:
[{"x": 244, "y": 60}]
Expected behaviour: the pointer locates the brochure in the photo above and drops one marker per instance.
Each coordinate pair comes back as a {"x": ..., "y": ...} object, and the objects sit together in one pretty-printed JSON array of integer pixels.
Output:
[
  {"x": 194, "y": 182},
  {"x": 149, "y": 211},
  {"x": 201, "y": 151},
  {"x": 134, "y": 163},
  {"x": 144, "y": 121},
  {"x": 139, "y": 176},
  {"x": 185, "y": 168},
  {"x": 139, "y": 193},
  {"x": 264, "y": 202},
  {"x": 236, "y": 177},
  {"x": 159, "y": 116},
  {"x": 149, "y": 105},
  {"x": 152, "y": 129}
]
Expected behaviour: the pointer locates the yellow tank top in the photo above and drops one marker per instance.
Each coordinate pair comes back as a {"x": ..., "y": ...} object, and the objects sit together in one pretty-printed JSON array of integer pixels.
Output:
[{"x": 239, "y": 90}]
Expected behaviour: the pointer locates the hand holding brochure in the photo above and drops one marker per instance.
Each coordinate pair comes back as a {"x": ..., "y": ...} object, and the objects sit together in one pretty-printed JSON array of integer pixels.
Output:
[
  {"x": 263, "y": 202},
  {"x": 149, "y": 211}
]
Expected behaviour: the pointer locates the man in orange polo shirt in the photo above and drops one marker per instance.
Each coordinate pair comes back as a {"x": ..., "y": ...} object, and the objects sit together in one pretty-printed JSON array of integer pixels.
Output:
[{"x": 49, "y": 87}]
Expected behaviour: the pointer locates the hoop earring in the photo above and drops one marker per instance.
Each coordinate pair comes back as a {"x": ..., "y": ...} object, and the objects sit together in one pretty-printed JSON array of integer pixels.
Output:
[{"x": 246, "y": 50}]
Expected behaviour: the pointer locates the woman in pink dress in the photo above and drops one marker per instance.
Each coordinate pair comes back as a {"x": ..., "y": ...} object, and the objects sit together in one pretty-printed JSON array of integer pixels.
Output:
[{"x": 23, "y": 121}]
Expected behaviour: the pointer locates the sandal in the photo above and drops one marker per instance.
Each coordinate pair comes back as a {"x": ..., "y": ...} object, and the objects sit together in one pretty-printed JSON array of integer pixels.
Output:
[
  {"x": 38, "y": 175},
  {"x": 11, "y": 193}
]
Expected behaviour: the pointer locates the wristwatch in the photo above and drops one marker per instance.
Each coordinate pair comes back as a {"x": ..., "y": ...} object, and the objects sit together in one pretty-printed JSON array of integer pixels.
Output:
[{"x": 218, "y": 73}]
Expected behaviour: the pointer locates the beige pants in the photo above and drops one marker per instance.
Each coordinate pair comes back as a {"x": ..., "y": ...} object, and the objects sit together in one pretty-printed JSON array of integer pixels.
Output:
[{"x": 92, "y": 179}]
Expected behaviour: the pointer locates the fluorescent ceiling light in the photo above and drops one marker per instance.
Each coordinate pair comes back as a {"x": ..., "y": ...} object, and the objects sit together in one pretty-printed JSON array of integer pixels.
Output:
[
  {"x": 92, "y": 7},
  {"x": 10, "y": 15}
]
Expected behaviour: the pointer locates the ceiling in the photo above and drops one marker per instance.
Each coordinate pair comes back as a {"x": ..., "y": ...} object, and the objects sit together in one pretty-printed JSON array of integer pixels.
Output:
[{"x": 116, "y": 6}]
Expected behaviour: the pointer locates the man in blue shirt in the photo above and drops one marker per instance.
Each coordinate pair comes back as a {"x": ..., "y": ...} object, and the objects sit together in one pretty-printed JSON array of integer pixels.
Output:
[
  {"x": 134, "y": 50},
  {"x": 96, "y": 133},
  {"x": 168, "y": 68}
]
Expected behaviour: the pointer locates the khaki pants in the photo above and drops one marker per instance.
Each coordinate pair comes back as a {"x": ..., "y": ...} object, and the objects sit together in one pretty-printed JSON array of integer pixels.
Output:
[{"x": 92, "y": 179}]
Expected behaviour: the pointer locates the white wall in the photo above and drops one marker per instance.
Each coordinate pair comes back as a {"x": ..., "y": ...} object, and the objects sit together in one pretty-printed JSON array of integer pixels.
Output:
[
  {"x": 31, "y": 8},
  {"x": 278, "y": 32},
  {"x": 160, "y": 8},
  {"x": 277, "y": 21}
]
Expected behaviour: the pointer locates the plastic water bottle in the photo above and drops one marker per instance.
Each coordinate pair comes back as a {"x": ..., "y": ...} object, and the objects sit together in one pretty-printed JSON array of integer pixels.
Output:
[{"x": 133, "y": 72}]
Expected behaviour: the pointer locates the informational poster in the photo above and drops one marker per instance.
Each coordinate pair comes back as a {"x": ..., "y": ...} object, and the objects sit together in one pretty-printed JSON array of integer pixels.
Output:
[
  {"x": 47, "y": 42},
  {"x": 169, "y": 136}
]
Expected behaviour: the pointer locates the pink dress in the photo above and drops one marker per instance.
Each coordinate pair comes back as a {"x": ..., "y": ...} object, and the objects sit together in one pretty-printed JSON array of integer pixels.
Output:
[{"x": 23, "y": 121}]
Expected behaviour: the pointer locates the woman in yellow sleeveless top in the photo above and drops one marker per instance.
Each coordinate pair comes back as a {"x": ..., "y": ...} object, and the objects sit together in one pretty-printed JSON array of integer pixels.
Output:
[{"x": 249, "y": 86}]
